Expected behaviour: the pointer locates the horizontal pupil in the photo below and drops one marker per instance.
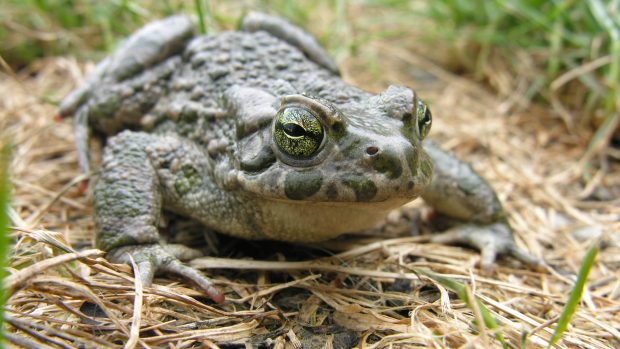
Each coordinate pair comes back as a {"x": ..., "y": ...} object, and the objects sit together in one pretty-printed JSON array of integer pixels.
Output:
[{"x": 293, "y": 130}]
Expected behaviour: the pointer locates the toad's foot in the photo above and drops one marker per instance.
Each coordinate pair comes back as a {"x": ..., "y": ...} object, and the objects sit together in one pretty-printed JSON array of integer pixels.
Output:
[
  {"x": 157, "y": 258},
  {"x": 491, "y": 240}
]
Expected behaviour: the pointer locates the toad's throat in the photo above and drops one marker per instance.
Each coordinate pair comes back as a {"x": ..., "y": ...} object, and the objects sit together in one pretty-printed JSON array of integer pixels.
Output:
[{"x": 303, "y": 221}]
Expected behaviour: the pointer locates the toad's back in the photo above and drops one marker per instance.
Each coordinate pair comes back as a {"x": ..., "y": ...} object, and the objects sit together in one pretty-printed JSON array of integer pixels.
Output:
[
  {"x": 211, "y": 64},
  {"x": 259, "y": 59}
]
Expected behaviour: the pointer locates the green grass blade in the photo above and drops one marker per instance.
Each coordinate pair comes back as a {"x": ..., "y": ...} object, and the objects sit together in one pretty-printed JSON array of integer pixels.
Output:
[
  {"x": 201, "y": 17},
  {"x": 557, "y": 36},
  {"x": 575, "y": 296},
  {"x": 461, "y": 292},
  {"x": 4, "y": 240},
  {"x": 612, "y": 26}
]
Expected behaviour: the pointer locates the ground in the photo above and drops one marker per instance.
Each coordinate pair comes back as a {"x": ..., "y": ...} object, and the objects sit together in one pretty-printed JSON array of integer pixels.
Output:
[{"x": 365, "y": 292}]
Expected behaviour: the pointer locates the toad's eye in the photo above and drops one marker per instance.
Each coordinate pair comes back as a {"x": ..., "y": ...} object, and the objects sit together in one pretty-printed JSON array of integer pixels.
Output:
[
  {"x": 298, "y": 133},
  {"x": 425, "y": 119}
]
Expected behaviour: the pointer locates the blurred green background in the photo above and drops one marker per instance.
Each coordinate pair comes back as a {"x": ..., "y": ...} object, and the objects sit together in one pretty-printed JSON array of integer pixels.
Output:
[{"x": 563, "y": 55}]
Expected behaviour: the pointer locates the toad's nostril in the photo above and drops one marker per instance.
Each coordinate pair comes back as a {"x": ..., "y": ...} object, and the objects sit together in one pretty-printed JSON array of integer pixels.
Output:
[{"x": 372, "y": 150}]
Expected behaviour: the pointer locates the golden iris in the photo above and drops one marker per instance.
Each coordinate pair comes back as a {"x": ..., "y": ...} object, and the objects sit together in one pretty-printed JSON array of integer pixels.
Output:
[
  {"x": 425, "y": 119},
  {"x": 298, "y": 133}
]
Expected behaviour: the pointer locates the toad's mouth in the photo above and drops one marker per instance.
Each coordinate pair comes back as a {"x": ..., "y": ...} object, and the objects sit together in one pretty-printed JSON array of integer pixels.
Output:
[
  {"x": 331, "y": 187},
  {"x": 385, "y": 205},
  {"x": 316, "y": 188}
]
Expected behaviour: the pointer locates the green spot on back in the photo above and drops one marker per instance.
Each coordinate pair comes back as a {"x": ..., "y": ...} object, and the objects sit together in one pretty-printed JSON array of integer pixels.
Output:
[{"x": 187, "y": 179}]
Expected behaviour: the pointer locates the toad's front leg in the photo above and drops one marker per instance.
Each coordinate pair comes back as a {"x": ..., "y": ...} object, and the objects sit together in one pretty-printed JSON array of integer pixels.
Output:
[
  {"x": 128, "y": 204},
  {"x": 458, "y": 192}
]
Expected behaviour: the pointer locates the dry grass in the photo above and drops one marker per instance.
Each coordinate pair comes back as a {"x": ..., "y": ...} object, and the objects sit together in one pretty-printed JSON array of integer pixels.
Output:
[{"x": 67, "y": 299}]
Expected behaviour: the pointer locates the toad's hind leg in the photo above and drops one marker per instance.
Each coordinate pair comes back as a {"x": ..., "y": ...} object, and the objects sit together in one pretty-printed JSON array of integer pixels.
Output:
[
  {"x": 128, "y": 204},
  {"x": 281, "y": 29},
  {"x": 458, "y": 192}
]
